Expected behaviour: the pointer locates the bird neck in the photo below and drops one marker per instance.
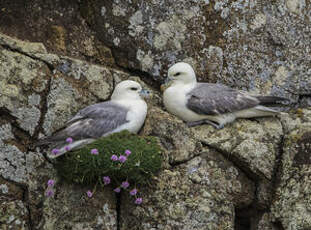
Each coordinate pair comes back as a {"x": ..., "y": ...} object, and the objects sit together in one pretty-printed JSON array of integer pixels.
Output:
[
  {"x": 128, "y": 102},
  {"x": 184, "y": 84}
]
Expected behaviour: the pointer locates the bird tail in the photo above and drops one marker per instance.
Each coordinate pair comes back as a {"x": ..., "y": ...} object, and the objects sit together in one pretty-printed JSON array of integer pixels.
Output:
[
  {"x": 257, "y": 111},
  {"x": 43, "y": 141},
  {"x": 75, "y": 145},
  {"x": 50, "y": 140},
  {"x": 269, "y": 100}
]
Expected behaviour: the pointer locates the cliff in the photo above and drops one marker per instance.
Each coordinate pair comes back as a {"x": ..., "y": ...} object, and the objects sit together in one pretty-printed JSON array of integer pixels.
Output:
[{"x": 56, "y": 57}]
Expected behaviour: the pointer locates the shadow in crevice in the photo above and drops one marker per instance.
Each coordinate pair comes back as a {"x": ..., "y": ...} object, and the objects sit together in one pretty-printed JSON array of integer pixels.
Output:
[
  {"x": 118, "y": 209},
  {"x": 242, "y": 219}
]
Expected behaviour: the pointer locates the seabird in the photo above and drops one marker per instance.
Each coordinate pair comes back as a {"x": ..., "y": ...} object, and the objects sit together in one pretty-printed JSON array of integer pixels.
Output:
[
  {"x": 214, "y": 104},
  {"x": 125, "y": 111}
]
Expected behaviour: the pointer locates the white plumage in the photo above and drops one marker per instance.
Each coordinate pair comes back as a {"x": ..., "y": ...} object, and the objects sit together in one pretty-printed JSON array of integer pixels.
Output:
[
  {"x": 125, "y": 111},
  {"x": 215, "y": 104}
]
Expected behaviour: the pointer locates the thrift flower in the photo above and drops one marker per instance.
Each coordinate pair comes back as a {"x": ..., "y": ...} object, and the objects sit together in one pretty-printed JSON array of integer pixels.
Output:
[
  {"x": 51, "y": 183},
  {"x": 55, "y": 151},
  {"x": 94, "y": 151},
  {"x": 89, "y": 193},
  {"x": 122, "y": 158},
  {"x": 133, "y": 192},
  {"x": 125, "y": 184},
  {"x": 127, "y": 152},
  {"x": 117, "y": 190},
  {"x": 106, "y": 180},
  {"x": 67, "y": 148},
  {"x": 69, "y": 140},
  {"x": 139, "y": 200},
  {"x": 49, "y": 193},
  {"x": 114, "y": 157}
]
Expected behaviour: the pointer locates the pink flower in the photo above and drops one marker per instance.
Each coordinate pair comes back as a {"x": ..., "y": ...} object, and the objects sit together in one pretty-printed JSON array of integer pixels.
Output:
[
  {"x": 69, "y": 140},
  {"x": 139, "y": 200},
  {"x": 117, "y": 190},
  {"x": 114, "y": 157},
  {"x": 122, "y": 158},
  {"x": 94, "y": 151},
  {"x": 125, "y": 184},
  {"x": 49, "y": 193},
  {"x": 51, "y": 183},
  {"x": 67, "y": 148},
  {"x": 89, "y": 193},
  {"x": 106, "y": 180},
  {"x": 55, "y": 151},
  {"x": 133, "y": 192},
  {"x": 127, "y": 152}
]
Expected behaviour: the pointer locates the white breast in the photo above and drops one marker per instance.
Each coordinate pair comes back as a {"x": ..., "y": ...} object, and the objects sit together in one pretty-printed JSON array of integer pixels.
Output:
[
  {"x": 135, "y": 116},
  {"x": 175, "y": 100}
]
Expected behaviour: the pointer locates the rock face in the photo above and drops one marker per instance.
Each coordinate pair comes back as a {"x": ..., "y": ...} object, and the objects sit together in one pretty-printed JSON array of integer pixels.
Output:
[
  {"x": 38, "y": 95},
  {"x": 292, "y": 197},
  {"x": 257, "y": 45},
  {"x": 253, "y": 174}
]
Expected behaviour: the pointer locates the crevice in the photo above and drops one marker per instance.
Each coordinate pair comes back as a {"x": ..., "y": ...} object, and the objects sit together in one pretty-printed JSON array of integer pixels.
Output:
[
  {"x": 303, "y": 100},
  {"x": 242, "y": 218},
  {"x": 147, "y": 78},
  {"x": 49, "y": 65},
  {"x": 6, "y": 115},
  {"x": 178, "y": 163},
  {"x": 118, "y": 209},
  {"x": 21, "y": 136},
  {"x": 26, "y": 202},
  {"x": 236, "y": 162},
  {"x": 43, "y": 109},
  {"x": 25, "y": 199},
  {"x": 144, "y": 76},
  {"x": 278, "y": 225},
  {"x": 276, "y": 179}
]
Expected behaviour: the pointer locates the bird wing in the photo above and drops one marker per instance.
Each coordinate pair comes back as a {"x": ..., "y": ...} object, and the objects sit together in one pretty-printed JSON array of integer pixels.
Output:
[
  {"x": 91, "y": 122},
  {"x": 216, "y": 99}
]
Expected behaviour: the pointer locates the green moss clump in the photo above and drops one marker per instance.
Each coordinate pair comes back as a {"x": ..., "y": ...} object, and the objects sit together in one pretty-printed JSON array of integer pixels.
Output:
[{"x": 80, "y": 166}]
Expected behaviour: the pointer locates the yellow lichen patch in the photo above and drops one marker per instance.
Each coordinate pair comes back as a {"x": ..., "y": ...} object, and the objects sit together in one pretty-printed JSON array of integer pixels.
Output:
[{"x": 58, "y": 37}]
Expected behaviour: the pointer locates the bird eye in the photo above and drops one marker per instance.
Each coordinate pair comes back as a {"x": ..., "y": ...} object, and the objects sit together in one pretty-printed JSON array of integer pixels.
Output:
[
  {"x": 177, "y": 74},
  {"x": 134, "y": 88}
]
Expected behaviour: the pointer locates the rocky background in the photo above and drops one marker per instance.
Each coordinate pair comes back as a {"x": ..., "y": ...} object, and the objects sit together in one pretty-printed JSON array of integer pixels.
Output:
[{"x": 58, "y": 56}]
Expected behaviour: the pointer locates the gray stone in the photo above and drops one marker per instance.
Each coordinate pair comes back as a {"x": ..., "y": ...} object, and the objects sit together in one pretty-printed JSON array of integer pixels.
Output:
[
  {"x": 200, "y": 194},
  {"x": 253, "y": 145},
  {"x": 261, "y": 46},
  {"x": 14, "y": 215},
  {"x": 292, "y": 199}
]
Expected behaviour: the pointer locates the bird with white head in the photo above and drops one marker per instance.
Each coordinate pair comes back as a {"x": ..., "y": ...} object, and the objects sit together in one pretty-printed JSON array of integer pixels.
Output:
[
  {"x": 125, "y": 111},
  {"x": 214, "y": 104}
]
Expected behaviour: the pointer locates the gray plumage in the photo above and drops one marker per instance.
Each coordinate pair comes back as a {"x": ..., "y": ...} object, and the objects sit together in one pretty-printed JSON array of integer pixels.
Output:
[
  {"x": 216, "y": 99},
  {"x": 215, "y": 104},
  {"x": 125, "y": 111},
  {"x": 91, "y": 122}
]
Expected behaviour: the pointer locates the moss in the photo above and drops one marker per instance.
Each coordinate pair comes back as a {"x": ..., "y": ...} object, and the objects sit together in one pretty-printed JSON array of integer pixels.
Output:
[{"x": 80, "y": 166}]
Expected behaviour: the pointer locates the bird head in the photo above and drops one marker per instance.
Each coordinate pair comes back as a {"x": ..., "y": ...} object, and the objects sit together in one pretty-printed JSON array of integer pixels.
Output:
[
  {"x": 180, "y": 73},
  {"x": 129, "y": 90}
]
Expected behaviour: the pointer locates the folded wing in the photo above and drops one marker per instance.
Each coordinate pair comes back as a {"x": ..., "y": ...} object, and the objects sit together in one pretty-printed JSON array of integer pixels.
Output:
[
  {"x": 216, "y": 99},
  {"x": 91, "y": 122}
]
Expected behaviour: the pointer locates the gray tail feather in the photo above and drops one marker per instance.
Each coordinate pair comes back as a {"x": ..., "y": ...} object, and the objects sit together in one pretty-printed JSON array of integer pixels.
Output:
[
  {"x": 268, "y": 100},
  {"x": 51, "y": 140},
  {"x": 44, "y": 141},
  {"x": 72, "y": 146}
]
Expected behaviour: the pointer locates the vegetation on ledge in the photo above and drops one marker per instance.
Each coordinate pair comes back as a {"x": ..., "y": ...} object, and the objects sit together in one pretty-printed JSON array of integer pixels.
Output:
[{"x": 104, "y": 157}]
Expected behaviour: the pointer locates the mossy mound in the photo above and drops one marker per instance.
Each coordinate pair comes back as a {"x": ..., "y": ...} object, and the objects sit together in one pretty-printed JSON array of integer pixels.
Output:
[{"x": 80, "y": 166}]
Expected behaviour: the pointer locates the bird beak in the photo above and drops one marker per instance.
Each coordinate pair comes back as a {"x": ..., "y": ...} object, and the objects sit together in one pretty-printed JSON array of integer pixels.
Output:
[
  {"x": 166, "y": 84},
  {"x": 144, "y": 93}
]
